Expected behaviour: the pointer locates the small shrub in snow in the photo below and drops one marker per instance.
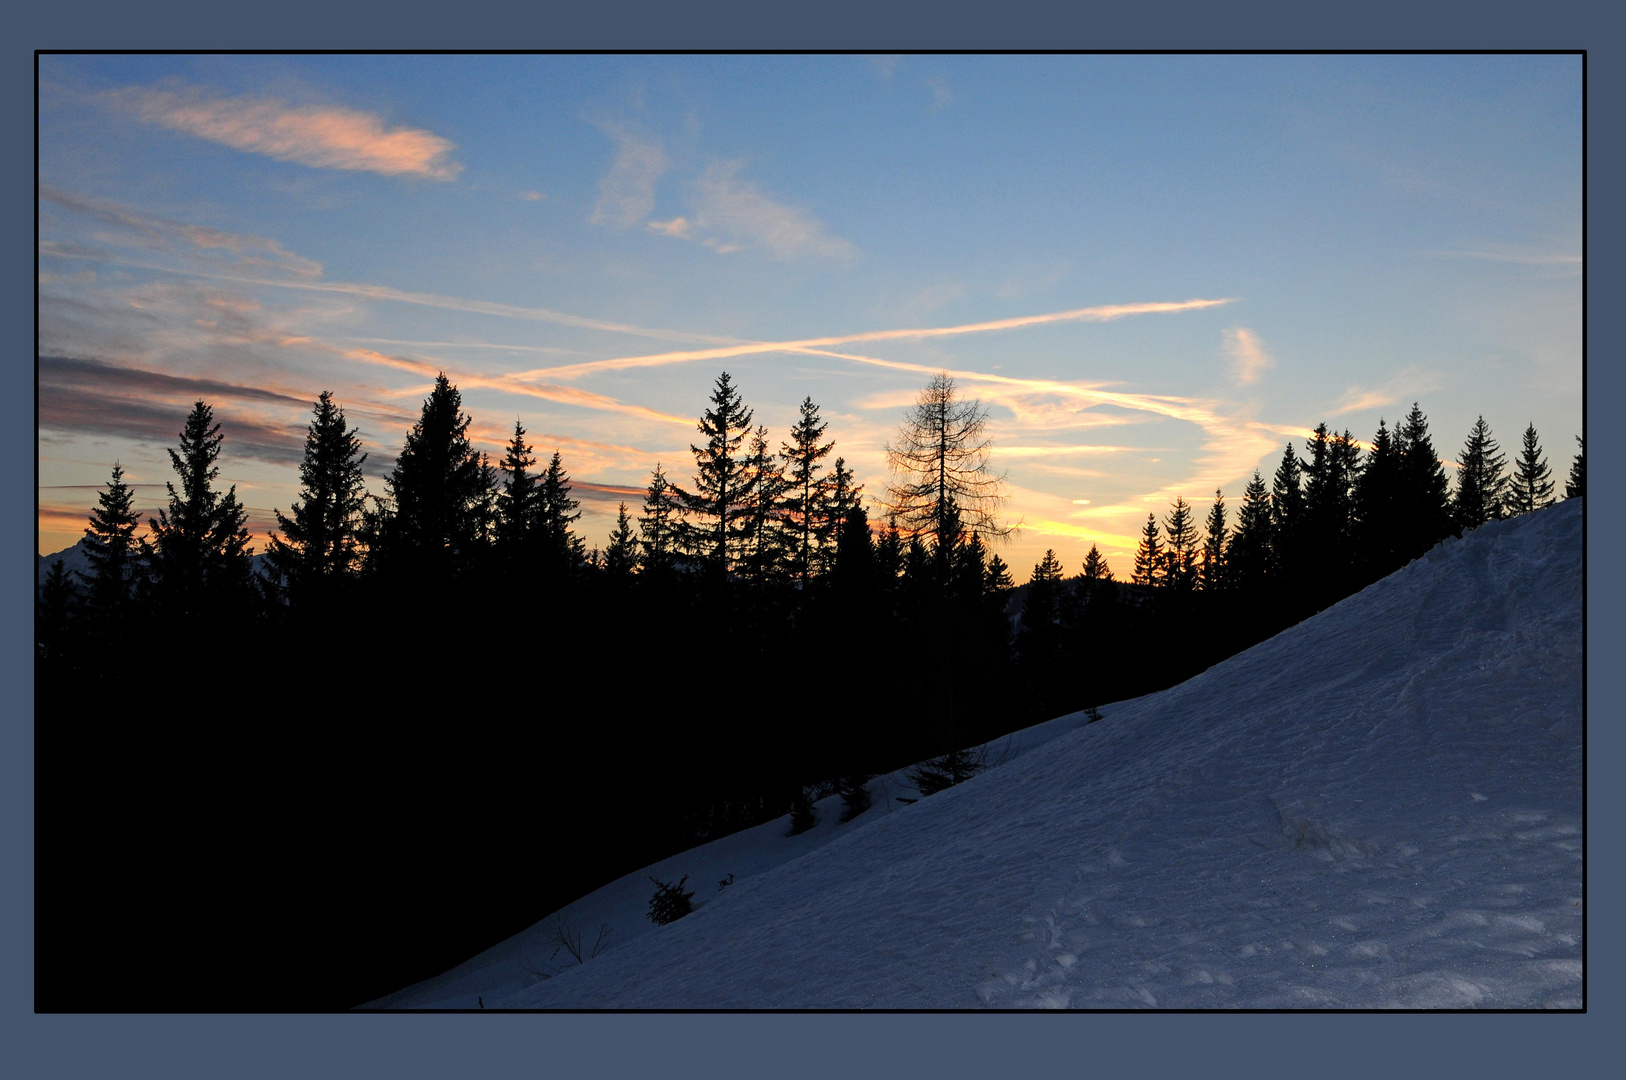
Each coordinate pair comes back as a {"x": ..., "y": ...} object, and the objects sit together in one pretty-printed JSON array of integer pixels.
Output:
[
  {"x": 955, "y": 767},
  {"x": 670, "y": 902},
  {"x": 855, "y": 796},
  {"x": 1092, "y": 714}
]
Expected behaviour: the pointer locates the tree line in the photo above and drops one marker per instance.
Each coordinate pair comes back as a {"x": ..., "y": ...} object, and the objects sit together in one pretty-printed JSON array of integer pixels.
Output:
[{"x": 439, "y": 695}]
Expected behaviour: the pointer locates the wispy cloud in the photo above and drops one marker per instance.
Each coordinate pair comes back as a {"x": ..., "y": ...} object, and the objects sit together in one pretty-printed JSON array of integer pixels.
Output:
[
  {"x": 155, "y": 233},
  {"x": 1248, "y": 357},
  {"x": 942, "y": 96},
  {"x": 1103, "y": 313},
  {"x": 748, "y": 217},
  {"x": 1407, "y": 385},
  {"x": 531, "y": 196},
  {"x": 626, "y": 195},
  {"x": 679, "y": 227},
  {"x": 320, "y": 136}
]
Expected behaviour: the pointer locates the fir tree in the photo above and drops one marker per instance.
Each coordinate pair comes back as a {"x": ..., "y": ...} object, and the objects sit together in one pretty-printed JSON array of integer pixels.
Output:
[
  {"x": 519, "y": 508},
  {"x": 1287, "y": 520},
  {"x": 1248, "y": 555},
  {"x": 1379, "y": 509},
  {"x": 1180, "y": 551},
  {"x": 111, "y": 548},
  {"x": 806, "y": 508},
  {"x": 1041, "y": 607},
  {"x": 197, "y": 548},
  {"x": 658, "y": 527},
  {"x": 843, "y": 498},
  {"x": 764, "y": 549},
  {"x": 437, "y": 489},
  {"x": 560, "y": 549},
  {"x": 1213, "y": 568},
  {"x": 1328, "y": 514},
  {"x": 1480, "y": 479},
  {"x": 1095, "y": 566},
  {"x": 318, "y": 544},
  {"x": 1575, "y": 486},
  {"x": 1149, "y": 560},
  {"x": 1424, "y": 507},
  {"x": 1531, "y": 487},
  {"x": 621, "y": 556},
  {"x": 717, "y": 517}
]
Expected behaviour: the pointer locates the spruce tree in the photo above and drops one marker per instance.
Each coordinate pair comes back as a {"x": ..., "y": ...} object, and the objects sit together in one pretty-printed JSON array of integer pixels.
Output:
[
  {"x": 1480, "y": 479},
  {"x": 1380, "y": 509},
  {"x": 766, "y": 547},
  {"x": 621, "y": 556},
  {"x": 1287, "y": 521},
  {"x": 111, "y": 548},
  {"x": 1247, "y": 556},
  {"x": 717, "y": 517},
  {"x": 560, "y": 549},
  {"x": 437, "y": 488},
  {"x": 197, "y": 548},
  {"x": 318, "y": 544},
  {"x": 519, "y": 508},
  {"x": 1149, "y": 560},
  {"x": 843, "y": 498},
  {"x": 1095, "y": 566},
  {"x": 806, "y": 500},
  {"x": 1180, "y": 550},
  {"x": 658, "y": 527},
  {"x": 1042, "y": 605},
  {"x": 1531, "y": 487},
  {"x": 1576, "y": 484},
  {"x": 1424, "y": 504},
  {"x": 1213, "y": 568},
  {"x": 53, "y": 620}
]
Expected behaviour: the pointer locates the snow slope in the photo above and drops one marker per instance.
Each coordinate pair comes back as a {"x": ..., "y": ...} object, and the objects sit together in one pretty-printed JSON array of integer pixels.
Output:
[{"x": 1380, "y": 807}]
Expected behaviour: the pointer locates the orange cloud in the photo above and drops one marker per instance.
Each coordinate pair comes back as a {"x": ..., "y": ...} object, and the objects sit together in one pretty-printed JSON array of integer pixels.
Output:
[{"x": 321, "y": 136}]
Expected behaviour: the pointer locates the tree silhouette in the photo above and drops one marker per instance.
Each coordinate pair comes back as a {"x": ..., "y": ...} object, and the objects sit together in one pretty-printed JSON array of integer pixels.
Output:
[
  {"x": 1180, "y": 550},
  {"x": 807, "y": 494},
  {"x": 1149, "y": 560},
  {"x": 621, "y": 556},
  {"x": 519, "y": 508},
  {"x": 319, "y": 542},
  {"x": 1212, "y": 573},
  {"x": 1248, "y": 554},
  {"x": 658, "y": 527},
  {"x": 716, "y": 516},
  {"x": 437, "y": 488},
  {"x": 1576, "y": 484},
  {"x": 197, "y": 548},
  {"x": 1480, "y": 479},
  {"x": 111, "y": 548},
  {"x": 1531, "y": 486},
  {"x": 1424, "y": 516},
  {"x": 939, "y": 462}
]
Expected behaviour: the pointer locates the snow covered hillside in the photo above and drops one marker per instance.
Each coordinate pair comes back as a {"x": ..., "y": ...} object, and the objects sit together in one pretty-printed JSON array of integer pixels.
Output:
[{"x": 1380, "y": 807}]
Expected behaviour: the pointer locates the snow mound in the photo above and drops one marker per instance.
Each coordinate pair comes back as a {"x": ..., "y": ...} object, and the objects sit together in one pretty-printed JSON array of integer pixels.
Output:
[{"x": 1380, "y": 807}]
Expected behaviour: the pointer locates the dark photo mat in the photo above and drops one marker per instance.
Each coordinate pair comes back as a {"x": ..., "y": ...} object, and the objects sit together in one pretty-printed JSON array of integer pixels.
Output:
[{"x": 466, "y": 1045}]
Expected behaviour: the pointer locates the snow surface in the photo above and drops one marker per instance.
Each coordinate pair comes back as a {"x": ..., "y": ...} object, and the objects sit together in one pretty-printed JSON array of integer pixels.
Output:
[{"x": 1380, "y": 807}]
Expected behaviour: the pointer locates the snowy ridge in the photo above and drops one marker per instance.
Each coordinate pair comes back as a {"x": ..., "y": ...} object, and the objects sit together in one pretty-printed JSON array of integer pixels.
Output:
[{"x": 1380, "y": 807}]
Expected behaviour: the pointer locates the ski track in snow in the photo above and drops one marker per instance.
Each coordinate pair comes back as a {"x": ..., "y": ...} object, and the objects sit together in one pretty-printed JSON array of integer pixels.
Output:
[{"x": 1380, "y": 807}]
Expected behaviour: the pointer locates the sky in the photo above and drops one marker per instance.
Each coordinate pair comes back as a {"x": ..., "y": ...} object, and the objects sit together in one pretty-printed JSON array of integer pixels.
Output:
[{"x": 1153, "y": 271}]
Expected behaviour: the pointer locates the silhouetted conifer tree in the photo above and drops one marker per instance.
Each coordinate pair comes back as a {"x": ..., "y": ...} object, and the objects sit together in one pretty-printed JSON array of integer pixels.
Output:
[
  {"x": 561, "y": 549},
  {"x": 1531, "y": 486},
  {"x": 621, "y": 556},
  {"x": 519, "y": 509},
  {"x": 807, "y": 492},
  {"x": 1180, "y": 548},
  {"x": 318, "y": 545},
  {"x": 53, "y": 618},
  {"x": 111, "y": 548},
  {"x": 658, "y": 528},
  {"x": 1380, "y": 504},
  {"x": 716, "y": 515},
  {"x": 767, "y": 546},
  {"x": 437, "y": 490},
  {"x": 1149, "y": 559},
  {"x": 1576, "y": 484},
  {"x": 843, "y": 499},
  {"x": 1287, "y": 522},
  {"x": 197, "y": 549},
  {"x": 1480, "y": 479},
  {"x": 1212, "y": 573},
  {"x": 1248, "y": 554},
  {"x": 1425, "y": 506}
]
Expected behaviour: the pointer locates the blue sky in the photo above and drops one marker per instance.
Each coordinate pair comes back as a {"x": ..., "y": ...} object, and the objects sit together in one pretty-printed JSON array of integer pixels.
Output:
[{"x": 1155, "y": 270}]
